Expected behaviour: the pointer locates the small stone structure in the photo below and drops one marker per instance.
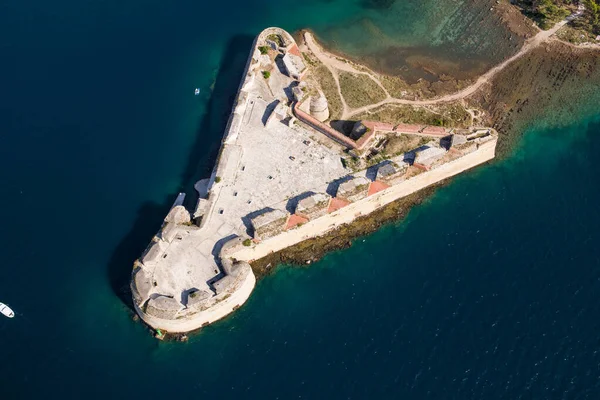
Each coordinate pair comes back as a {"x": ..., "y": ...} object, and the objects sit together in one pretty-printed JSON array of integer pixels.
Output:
[
  {"x": 427, "y": 155},
  {"x": 279, "y": 113},
  {"x": 178, "y": 215},
  {"x": 313, "y": 206},
  {"x": 269, "y": 224},
  {"x": 391, "y": 173},
  {"x": 354, "y": 189},
  {"x": 319, "y": 108},
  {"x": 154, "y": 253},
  {"x": 298, "y": 93}
]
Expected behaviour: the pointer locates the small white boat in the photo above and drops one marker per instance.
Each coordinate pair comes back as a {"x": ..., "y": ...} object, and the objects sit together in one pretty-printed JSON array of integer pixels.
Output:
[
  {"x": 197, "y": 91},
  {"x": 4, "y": 309}
]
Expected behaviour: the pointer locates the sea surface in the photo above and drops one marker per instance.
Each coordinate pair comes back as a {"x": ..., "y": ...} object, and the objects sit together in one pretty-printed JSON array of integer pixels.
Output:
[{"x": 488, "y": 290}]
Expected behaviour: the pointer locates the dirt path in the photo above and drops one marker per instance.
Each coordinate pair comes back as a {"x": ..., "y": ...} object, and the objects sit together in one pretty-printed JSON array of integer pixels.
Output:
[{"x": 335, "y": 65}]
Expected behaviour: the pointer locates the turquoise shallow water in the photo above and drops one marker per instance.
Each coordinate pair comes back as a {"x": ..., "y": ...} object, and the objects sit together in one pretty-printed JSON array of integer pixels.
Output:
[{"x": 488, "y": 290}]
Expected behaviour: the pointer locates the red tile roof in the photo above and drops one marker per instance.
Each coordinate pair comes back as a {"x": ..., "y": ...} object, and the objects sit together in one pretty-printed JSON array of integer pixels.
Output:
[
  {"x": 408, "y": 128},
  {"x": 295, "y": 51},
  {"x": 377, "y": 186},
  {"x": 336, "y": 204},
  {"x": 294, "y": 220},
  {"x": 378, "y": 126},
  {"x": 434, "y": 130}
]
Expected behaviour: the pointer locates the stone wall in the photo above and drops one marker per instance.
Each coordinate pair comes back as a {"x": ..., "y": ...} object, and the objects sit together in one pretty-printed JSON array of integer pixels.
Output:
[{"x": 349, "y": 213}]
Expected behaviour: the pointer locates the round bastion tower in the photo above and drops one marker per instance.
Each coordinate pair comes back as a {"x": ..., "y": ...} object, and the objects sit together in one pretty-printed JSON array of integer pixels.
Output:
[{"x": 319, "y": 107}]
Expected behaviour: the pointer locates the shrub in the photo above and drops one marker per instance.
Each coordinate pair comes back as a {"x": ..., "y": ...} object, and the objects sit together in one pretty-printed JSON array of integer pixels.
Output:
[
  {"x": 217, "y": 179},
  {"x": 247, "y": 242},
  {"x": 263, "y": 49},
  {"x": 266, "y": 74}
]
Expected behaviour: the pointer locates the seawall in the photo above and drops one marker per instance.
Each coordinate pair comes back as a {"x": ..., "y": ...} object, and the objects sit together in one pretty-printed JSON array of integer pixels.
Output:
[{"x": 346, "y": 215}]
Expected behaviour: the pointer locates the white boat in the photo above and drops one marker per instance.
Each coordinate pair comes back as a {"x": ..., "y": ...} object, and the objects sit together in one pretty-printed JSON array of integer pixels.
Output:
[
  {"x": 197, "y": 91},
  {"x": 4, "y": 309}
]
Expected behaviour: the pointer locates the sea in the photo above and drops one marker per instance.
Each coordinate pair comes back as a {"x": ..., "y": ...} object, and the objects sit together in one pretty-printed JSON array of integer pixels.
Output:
[{"x": 490, "y": 289}]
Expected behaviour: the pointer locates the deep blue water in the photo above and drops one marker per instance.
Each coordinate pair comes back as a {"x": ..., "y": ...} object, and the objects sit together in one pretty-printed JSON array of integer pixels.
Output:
[{"x": 489, "y": 290}]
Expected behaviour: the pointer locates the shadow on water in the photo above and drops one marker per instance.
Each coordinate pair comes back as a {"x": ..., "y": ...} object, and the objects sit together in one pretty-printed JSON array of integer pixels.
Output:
[{"x": 201, "y": 159}]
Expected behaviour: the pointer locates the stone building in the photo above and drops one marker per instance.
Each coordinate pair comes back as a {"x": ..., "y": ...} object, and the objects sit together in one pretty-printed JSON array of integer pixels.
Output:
[
  {"x": 391, "y": 173},
  {"x": 279, "y": 113},
  {"x": 293, "y": 63},
  {"x": 154, "y": 252},
  {"x": 313, "y": 206},
  {"x": 426, "y": 156},
  {"x": 269, "y": 224},
  {"x": 355, "y": 189},
  {"x": 298, "y": 93}
]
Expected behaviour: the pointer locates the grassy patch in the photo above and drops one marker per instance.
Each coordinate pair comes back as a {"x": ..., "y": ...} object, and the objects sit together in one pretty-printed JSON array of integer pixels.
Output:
[
  {"x": 359, "y": 90},
  {"x": 576, "y": 35},
  {"x": 400, "y": 144},
  {"x": 449, "y": 115},
  {"x": 276, "y": 38}
]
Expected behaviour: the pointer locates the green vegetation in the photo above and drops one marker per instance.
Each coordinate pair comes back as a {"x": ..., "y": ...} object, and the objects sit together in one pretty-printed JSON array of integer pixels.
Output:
[
  {"x": 276, "y": 38},
  {"x": 266, "y": 74},
  {"x": 264, "y": 49},
  {"x": 247, "y": 242},
  {"x": 217, "y": 179},
  {"x": 359, "y": 90},
  {"x": 592, "y": 15},
  {"x": 352, "y": 163},
  {"x": 546, "y": 12}
]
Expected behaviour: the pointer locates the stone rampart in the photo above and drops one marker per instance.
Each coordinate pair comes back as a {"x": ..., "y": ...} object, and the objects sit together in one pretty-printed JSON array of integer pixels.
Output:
[{"x": 350, "y": 212}]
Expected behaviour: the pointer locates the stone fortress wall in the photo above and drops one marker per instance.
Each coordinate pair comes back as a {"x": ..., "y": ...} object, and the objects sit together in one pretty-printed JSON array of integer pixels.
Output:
[{"x": 192, "y": 275}]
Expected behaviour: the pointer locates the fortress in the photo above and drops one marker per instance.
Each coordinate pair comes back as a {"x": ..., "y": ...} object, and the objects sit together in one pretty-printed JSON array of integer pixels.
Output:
[{"x": 283, "y": 175}]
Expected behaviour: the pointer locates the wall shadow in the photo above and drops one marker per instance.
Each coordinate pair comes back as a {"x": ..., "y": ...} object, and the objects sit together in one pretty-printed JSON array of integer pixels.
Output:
[
  {"x": 333, "y": 186},
  {"x": 292, "y": 203},
  {"x": 148, "y": 221},
  {"x": 200, "y": 162},
  {"x": 247, "y": 220}
]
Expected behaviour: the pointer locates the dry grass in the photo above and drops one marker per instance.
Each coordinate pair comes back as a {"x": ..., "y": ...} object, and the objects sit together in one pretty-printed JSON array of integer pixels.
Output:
[
  {"x": 323, "y": 78},
  {"x": 399, "y": 144},
  {"x": 575, "y": 35},
  {"x": 450, "y": 115},
  {"x": 423, "y": 89},
  {"x": 359, "y": 90}
]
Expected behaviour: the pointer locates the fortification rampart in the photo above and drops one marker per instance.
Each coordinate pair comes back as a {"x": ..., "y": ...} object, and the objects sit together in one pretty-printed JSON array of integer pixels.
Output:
[
  {"x": 350, "y": 212},
  {"x": 194, "y": 274}
]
